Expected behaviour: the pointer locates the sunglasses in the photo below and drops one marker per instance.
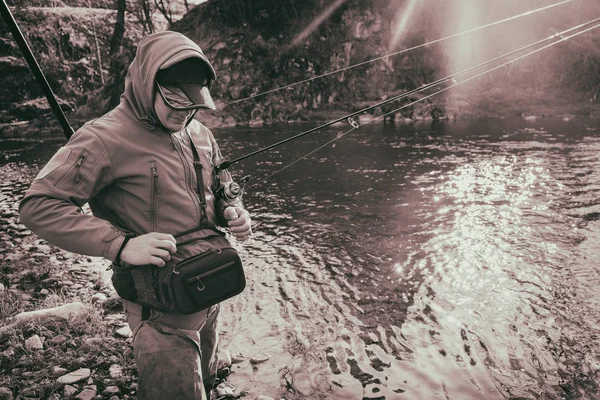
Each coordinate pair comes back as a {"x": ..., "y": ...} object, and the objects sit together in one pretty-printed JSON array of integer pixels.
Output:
[{"x": 177, "y": 100}]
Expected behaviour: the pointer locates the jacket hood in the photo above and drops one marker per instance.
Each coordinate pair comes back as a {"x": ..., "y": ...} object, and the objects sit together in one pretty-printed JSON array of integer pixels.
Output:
[{"x": 156, "y": 51}]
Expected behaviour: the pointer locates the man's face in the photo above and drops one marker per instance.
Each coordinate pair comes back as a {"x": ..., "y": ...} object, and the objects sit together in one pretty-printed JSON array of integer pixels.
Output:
[{"x": 172, "y": 120}]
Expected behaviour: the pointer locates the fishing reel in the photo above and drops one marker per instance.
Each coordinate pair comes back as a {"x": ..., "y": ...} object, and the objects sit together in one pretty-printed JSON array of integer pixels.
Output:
[{"x": 229, "y": 191}]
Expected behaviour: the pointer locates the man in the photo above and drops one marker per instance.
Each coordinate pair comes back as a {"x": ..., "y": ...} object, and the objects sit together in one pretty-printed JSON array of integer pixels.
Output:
[{"x": 134, "y": 166}]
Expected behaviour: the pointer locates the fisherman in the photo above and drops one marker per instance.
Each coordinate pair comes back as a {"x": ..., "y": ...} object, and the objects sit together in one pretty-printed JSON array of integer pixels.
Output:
[{"x": 134, "y": 166}]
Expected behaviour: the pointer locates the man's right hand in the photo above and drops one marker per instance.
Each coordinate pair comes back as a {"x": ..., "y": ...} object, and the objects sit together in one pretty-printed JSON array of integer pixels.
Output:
[{"x": 151, "y": 248}]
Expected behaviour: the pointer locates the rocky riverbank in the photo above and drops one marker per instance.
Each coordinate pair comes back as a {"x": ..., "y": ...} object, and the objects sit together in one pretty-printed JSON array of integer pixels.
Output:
[{"x": 63, "y": 332}]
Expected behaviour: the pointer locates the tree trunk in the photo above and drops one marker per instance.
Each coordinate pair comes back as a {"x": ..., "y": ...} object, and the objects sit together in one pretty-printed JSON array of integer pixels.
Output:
[{"x": 119, "y": 30}]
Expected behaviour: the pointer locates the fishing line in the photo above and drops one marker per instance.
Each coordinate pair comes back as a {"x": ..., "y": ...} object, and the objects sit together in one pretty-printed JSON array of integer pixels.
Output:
[
  {"x": 226, "y": 164},
  {"x": 455, "y": 83},
  {"x": 398, "y": 52}
]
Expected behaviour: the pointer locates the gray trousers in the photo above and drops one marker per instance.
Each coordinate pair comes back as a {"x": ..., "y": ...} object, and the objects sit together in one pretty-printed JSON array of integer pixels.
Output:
[{"x": 176, "y": 355}]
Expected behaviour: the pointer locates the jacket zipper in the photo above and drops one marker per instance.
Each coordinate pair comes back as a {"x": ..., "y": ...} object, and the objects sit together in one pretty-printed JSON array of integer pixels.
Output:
[
  {"x": 78, "y": 165},
  {"x": 155, "y": 193},
  {"x": 189, "y": 174}
]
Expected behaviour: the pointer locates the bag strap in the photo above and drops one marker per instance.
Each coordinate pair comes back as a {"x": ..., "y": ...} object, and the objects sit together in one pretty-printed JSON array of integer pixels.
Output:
[{"x": 199, "y": 180}]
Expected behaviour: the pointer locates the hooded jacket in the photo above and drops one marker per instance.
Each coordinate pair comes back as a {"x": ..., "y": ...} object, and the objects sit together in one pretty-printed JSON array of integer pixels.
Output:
[{"x": 136, "y": 176}]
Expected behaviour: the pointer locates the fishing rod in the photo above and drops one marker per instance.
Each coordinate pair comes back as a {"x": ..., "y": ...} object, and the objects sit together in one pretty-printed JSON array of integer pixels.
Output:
[
  {"x": 226, "y": 164},
  {"x": 35, "y": 68},
  {"x": 455, "y": 83},
  {"x": 527, "y": 13}
]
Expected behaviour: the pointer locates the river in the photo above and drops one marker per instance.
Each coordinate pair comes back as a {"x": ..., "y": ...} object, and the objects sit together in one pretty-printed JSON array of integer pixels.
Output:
[{"x": 450, "y": 261}]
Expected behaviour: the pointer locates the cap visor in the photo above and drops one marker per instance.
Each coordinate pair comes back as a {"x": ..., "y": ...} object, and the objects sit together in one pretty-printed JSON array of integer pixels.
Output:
[{"x": 200, "y": 95}]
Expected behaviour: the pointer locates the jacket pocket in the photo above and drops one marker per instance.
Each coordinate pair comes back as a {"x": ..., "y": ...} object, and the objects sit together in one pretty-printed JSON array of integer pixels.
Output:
[
  {"x": 74, "y": 174},
  {"x": 155, "y": 191}
]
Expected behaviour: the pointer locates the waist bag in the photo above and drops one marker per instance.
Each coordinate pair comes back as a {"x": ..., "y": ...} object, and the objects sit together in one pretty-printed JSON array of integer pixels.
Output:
[{"x": 204, "y": 271}]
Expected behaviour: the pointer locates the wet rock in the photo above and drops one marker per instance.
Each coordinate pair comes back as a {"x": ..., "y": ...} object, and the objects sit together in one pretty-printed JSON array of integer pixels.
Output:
[
  {"x": 5, "y": 393},
  {"x": 115, "y": 371},
  {"x": 224, "y": 359},
  {"x": 125, "y": 332},
  {"x": 237, "y": 358},
  {"x": 224, "y": 390},
  {"x": 69, "y": 390},
  {"x": 34, "y": 343},
  {"x": 259, "y": 359},
  {"x": 110, "y": 390},
  {"x": 75, "y": 376}
]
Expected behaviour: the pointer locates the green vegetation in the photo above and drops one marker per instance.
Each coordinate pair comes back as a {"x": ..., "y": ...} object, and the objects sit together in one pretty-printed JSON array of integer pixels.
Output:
[{"x": 259, "y": 45}]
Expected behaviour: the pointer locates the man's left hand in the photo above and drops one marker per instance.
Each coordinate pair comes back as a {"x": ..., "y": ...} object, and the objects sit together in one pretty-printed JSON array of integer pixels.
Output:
[{"x": 238, "y": 221}]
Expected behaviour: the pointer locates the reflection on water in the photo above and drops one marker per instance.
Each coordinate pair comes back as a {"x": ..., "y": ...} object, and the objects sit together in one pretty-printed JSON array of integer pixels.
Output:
[{"x": 448, "y": 262}]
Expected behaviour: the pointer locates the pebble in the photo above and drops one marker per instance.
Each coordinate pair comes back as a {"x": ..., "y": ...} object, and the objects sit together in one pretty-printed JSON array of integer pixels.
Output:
[
  {"x": 34, "y": 343},
  {"x": 99, "y": 298},
  {"x": 237, "y": 358},
  {"x": 8, "y": 352},
  {"x": 5, "y": 393},
  {"x": 75, "y": 376},
  {"x": 223, "y": 390},
  {"x": 224, "y": 359},
  {"x": 115, "y": 371},
  {"x": 44, "y": 292},
  {"x": 2, "y": 288},
  {"x": 110, "y": 390},
  {"x": 261, "y": 358},
  {"x": 125, "y": 332},
  {"x": 69, "y": 390},
  {"x": 56, "y": 340},
  {"x": 59, "y": 371},
  {"x": 68, "y": 283}
]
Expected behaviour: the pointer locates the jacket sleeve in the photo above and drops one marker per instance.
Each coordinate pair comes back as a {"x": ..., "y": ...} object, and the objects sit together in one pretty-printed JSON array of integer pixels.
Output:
[
  {"x": 221, "y": 178},
  {"x": 51, "y": 207}
]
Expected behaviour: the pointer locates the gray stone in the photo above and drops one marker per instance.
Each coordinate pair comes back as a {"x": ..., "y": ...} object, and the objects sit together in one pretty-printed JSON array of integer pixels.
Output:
[
  {"x": 75, "y": 376},
  {"x": 44, "y": 292},
  {"x": 99, "y": 298},
  {"x": 56, "y": 340},
  {"x": 34, "y": 343},
  {"x": 111, "y": 390},
  {"x": 125, "y": 332},
  {"x": 261, "y": 358},
  {"x": 59, "y": 371},
  {"x": 224, "y": 359},
  {"x": 237, "y": 358},
  {"x": 69, "y": 390},
  {"x": 65, "y": 312},
  {"x": 115, "y": 371},
  {"x": 2, "y": 288},
  {"x": 5, "y": 393},
  {"x": 8, "y": 352}
]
